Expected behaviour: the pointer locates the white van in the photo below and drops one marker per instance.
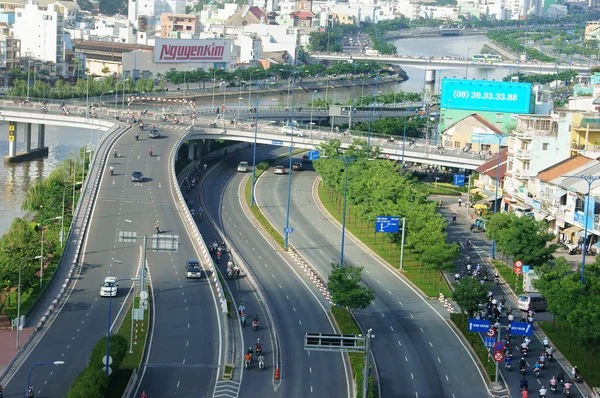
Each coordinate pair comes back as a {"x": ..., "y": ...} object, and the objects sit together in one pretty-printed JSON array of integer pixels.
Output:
[
  {"x": 531, "y": 301},
  {"x": 287, "y": 130}
]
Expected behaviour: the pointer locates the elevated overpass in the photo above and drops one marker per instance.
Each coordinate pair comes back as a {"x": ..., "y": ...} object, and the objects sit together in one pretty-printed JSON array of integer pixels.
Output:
[
  {"x": 420, "y": 152},
  {"x": 442, "y": 62}
]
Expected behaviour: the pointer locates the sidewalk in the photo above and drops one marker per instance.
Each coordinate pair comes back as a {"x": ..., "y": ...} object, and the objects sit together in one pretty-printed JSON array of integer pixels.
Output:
[{"x": 480, "y": 254}]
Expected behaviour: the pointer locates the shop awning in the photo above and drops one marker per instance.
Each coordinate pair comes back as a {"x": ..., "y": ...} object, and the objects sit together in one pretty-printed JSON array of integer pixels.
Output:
[
  {"x": 493, "y": 198},
  {"x": 475, "y": 190},
  {"x": 571, "y": 230},
  {"x": 521, "y": 207},
  {"x": 550, "y": 218}
]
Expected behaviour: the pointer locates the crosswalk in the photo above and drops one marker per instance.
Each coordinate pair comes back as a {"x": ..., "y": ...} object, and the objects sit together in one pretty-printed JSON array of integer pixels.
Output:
[{"x": 227, "y": 389}]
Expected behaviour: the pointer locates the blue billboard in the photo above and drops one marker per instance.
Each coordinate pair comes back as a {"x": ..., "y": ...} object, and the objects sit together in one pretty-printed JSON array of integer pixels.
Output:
[{"x": 482, "y": 95}]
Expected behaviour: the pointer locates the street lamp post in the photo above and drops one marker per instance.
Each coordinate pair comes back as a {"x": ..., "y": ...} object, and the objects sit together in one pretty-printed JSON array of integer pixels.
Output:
[
  {"x": 312, "y": 108},
  {"x": 28, "y": 71},
  {"x": 109, "y": 316},
  {"x": 254, "y": 149},
  {"x": 590, "y": 179},
  {"x": 403, "y": 142},
  {"x": 353, "y": 95},
  {"x": 333, "y": 114},
  {"x": 347, "y": 162},
  {"x": 500, "y": 137},
  {"x": 19, "y": 296},
  {"x": 40, "y": 364},
  {"x": 223, "y": 108},
  {"x": 108, "y": 92},
  {"x": 62, "y": 232},
  {"x": 42, "y": 248},
  {"x": 214, "y": 86},
  {"x": 131, "y": 334},
  {"x": 467, "y": 67},
  {"x": 250, "y": 87},
  {"x": 287, "y": 215}
]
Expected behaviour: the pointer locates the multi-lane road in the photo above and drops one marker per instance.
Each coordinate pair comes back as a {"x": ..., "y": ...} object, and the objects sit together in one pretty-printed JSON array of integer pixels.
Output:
[
  {"x": 184, "y": 353},
  {"x": 417, "y": 353},
  {"x": 295, "y": 305}
]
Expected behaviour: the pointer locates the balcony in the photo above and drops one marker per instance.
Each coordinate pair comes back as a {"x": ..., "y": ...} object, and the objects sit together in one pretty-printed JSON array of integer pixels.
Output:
[
  {"x": 523, "y": 154},
  {"x": 522, "y": 174}
]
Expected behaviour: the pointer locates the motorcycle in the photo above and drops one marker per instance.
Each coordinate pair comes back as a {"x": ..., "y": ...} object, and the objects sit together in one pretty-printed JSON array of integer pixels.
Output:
[
  {"x": 44, "y": 110},
  {"x": 536, "y": 372},
  {"x": 218, "y": 256},
  {"x": 141, "y": 127},
  {"x": 578, "y": 378},
  {"x": 524, "y": 351},
  {"x": 144, "y": 112},
  {"x": 567, "y": 392},
  {"x": 247, "y": 363},
  {"x": 137, "y": 137},
  {"x": 157, "y": 229},
  {"x": 229, "y": 273},
  {"x": 112, "y": 172},
  {"x": 553, "y": 389},
  {"x": 508, "y": 366},
  {"x": 255, "y": 325},
  {"x": 522, "y": 370},
  {"x": 164, "y": 118},
  {"x": 243, "y": 320},
  {"x": 115, "y": 154},
  {"x": 261, "y": 363}
]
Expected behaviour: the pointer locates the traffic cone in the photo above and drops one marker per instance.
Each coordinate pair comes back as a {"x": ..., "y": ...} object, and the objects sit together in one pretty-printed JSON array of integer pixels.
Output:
[{"x": 277, "y": 374}]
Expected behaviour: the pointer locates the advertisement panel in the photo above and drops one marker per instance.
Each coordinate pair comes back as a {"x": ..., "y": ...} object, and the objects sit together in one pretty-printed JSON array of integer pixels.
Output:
[
  {"x": 191, "y": 50},
  {"x": 482, "y": 95},
  {"x": 487, "y": 139}
]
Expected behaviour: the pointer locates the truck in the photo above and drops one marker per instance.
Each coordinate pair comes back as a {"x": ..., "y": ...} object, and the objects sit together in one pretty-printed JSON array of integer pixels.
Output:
[{"x": 372, "y": 53}]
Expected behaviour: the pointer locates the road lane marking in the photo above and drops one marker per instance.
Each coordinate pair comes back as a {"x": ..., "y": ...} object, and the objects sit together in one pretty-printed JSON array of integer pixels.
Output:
[
  {"x": 411, "y": 315},
  {"x": 280, "y": 287},
  {"x": 188, "y": 325},
  {"x": 178, "y": 381},
  {"x": 430, "y": 344},
  {"x": 422, "y": 330},
  {"x": 412, "y": 376},
  {"x": 392, "y": 328},
  {"x": 378, "y": 281},
  {"x": 389, "y": 292},
  {"x": 439, "y": 360},
  {"x": 447, "y": 379},
  {"x": 287, "y": 297},
  {"x": 406, "y": 358},
  {"x": 400, "y": 302},
  {"x": 294, "y": 309},
  {"x": 368, "y": 272},
  {"x": 310, "y": 370},
  {"x": 273, "y": 276},
  {"x": 300, "y": 322},
  {"x": 183, "y": 361},
  {"x": 399, "y": 343}
]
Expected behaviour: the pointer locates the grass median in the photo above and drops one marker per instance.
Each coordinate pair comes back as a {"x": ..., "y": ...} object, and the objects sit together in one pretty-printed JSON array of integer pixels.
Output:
[
  {"x": 509, "y": 276},
  {"x": 389, "y": 252},
  {"x": 256, "y": 212},
  {"x": 462, "y": 323},
  {"x": 357, "y": 360},
  {"x": 132, "y": 360}
]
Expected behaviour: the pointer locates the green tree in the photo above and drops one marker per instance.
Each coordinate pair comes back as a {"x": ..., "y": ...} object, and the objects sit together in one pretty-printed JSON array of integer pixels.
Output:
[
  {"x": 469, "y": 293},
  {"x": 346, "y": 290},
  {"x": 112, "y": 7}
]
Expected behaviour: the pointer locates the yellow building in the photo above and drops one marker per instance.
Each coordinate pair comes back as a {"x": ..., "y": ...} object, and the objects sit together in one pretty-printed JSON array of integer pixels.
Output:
[
  {"x": 343, "y": 19},
  {"x": 585, "y": 132}
]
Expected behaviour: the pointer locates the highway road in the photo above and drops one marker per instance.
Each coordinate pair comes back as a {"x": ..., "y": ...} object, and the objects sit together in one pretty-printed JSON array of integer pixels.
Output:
[
  {"x": 482, "y": 249},
  {"x": 416, "y": 351},
  {"x": 181, "y": 306},
  {"x": 296, "y": 307},
  {"x": 185, "y": 345}
]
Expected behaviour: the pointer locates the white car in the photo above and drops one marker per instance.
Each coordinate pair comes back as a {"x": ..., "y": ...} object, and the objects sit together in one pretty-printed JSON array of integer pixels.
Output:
[
  {"x": 287, "y": 130},
  {"x": 242, "y": 167},
  {"x": 279, "y": 170},
  {"x": 109, "y": 287}
]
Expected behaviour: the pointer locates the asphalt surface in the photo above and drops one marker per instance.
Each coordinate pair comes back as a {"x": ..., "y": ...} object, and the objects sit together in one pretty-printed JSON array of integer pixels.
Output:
[
  {"x": 185, "y": 344},
  {"x": 416, "y": 351},
  {"x": 479, "y": 255},
  {"x": 182, "y": 307},
  {"x": 289, "y": 296}
]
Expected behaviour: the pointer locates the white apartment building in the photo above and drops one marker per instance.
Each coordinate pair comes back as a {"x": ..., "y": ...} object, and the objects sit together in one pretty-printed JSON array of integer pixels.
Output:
[
  {"x": 274, "y": 38},
  {"x": 41, "y": 32},
  {"x": 154, "y": 8},
  {"x": 410, "y": 9},
  {"x": 538, "y": 142},
  {"x": 210, "y": 14}
]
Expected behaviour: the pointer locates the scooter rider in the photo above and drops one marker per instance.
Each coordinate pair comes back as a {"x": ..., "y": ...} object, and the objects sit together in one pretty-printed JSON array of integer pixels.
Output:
[
  {"x": 242, "y": 308},
  {"x": 157, "y": 227},
  {"x": 255, "y": 319},
  {"x": 567, "y": 387},
  {"x": 543, "y": 392},
  {"x": 111, "y": 170},
  {"x": 553, "y": 383},
  {"x": 560, "y": 377},
  {"x": 546, "y": 342},
  {"x": 507, "y": 361},
  {"x": 454, "y": 219},
  {"x": 522, "y": 364},
  {"x": 524, "y": 384}
]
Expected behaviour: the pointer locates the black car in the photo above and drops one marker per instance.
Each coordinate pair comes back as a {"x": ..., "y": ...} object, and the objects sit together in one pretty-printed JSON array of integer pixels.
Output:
[
  {"x": 193, "y": 269},
  {"x": 305, "y": 159},
  {"x": 137, "y": 176}
]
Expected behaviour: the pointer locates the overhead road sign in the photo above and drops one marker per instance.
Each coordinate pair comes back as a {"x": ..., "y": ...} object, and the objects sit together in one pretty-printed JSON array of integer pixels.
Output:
[
  {"x": 479, "y": 325},
  {"x": 333, "y": 342},
  {"x": 459, "y": 180},
  {"x": 482, "y": 95},
  {"x": 288, "y": 230},
  {"x": 521, "y": 328},
  {"x": 276, "y": 142},
  {"x": 387, "y": 224}
]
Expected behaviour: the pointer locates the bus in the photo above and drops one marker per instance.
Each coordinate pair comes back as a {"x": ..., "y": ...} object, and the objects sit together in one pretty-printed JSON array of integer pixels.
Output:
[{"x": 486, "y": 58}]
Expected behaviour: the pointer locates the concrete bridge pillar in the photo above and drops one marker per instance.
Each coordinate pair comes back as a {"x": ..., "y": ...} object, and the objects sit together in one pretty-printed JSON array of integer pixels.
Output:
[
  {"x": 12, "y": 139},
  {"x": 191, "y": 149},
  {"x": 41, "y": 136},
  {"x": 27, "y": 138}
]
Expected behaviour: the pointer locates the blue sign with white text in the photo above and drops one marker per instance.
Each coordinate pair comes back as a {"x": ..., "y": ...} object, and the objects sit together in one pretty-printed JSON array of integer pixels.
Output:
[
  {"x": 479, "y": 325},
  {"x": 482, "y": 95},
  {"x": 489, "y": 342},
  {"x": 313, "y": 155},
  {"x": 459, "y": 180},
  {"x": 525, "y": 269},
  {"x": 276, "y": 142},
  {"x": 521, "y": 328},
  {"x": 387, "y": 224}
]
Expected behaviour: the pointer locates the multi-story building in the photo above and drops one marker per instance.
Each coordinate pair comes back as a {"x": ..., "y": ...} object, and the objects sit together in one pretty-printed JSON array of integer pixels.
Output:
[
  {"x": 585, "y": 133},
  {"x": 536, "y": 143},
  {"x": 41, "y": 31},
  {"x": 10, "y": 54},
  {"x": 154, "y": 8},
  {"x": 181, "y": 26}
]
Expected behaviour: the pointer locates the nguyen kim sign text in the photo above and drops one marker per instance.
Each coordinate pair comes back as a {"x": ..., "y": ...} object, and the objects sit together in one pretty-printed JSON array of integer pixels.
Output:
[{"x": 191, "y": 50}]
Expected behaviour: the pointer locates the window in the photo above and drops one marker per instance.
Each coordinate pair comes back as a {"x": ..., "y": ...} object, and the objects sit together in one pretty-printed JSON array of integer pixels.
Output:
[
  {"x": 499, "y": 115},
  {"x": 485, "y": 147},
  {"x": 544, "y": 146},
  {"x": 47, "y": 17},
  {"x": 19, "y": 15},
  {"x": 456, "y": 145},
  {"x": 498, "y": 125}
]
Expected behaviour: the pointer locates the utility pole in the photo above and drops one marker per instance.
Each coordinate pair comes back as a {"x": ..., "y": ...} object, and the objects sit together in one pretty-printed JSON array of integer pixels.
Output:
[
  {"x": 368, "y": 338},
  {"x": 469, "y": 196},
  {"x": 402, "y": 244}
]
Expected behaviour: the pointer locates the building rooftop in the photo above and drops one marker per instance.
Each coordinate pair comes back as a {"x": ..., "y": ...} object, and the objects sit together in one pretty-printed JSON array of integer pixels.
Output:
[
  {"x": 553, "y": 174},
  {"x": 489, "y": 167},
  {"x": 108, "y": 46}
]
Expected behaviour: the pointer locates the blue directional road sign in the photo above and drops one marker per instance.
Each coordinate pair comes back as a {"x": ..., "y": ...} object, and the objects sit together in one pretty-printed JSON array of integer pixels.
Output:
[
  {"x": 275, "y": 142},
  {"x": 459, "y": 180},
  {"x": 525, "y": 269},
  {"x": 313, "y": 155},
  {"x": 489, "y": 342},
  {"x": 479, "y": 325},
  {"x": 387, "y": 224},
  {"x": 288, "y": 230},
  {"x": 521, "y": 328}
]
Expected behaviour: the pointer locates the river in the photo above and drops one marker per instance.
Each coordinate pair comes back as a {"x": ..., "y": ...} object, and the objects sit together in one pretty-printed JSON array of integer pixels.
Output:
[{"x": 16, "y": 178}]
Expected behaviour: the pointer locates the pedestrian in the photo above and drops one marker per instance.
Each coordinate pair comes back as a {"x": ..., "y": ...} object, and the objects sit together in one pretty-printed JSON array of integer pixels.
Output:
[{"x": 459, "y": 202}]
